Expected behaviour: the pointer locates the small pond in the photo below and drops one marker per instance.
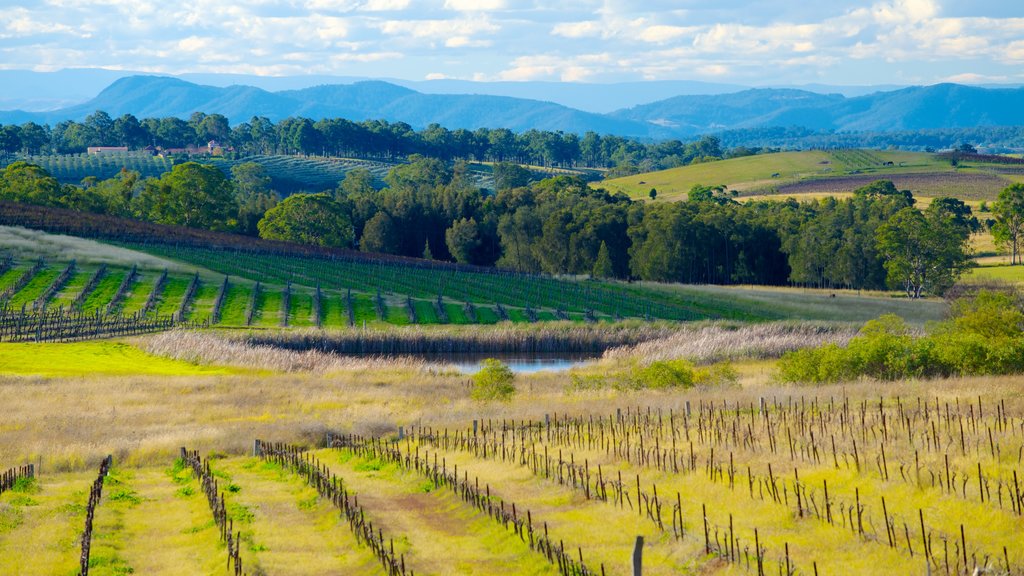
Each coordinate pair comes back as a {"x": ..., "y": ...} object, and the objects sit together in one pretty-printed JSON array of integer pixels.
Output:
[{"x": 519, "y": 363}]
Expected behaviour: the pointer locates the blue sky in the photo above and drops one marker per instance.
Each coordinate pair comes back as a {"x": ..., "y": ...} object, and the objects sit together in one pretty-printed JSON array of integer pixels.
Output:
[{"x": 756, "y": 42}]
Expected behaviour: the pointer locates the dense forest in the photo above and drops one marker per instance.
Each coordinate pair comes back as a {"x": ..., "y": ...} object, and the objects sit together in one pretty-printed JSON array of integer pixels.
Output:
[
  {"x": 429, "y": 208},
  {"x": 376, "y": 139}
]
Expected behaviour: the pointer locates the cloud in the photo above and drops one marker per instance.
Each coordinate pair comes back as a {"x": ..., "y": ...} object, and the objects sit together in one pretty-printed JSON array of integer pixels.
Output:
[
  {"x": 586, "y": 29},
  {"x": 474, "y": 5},
  {"x": 749, "y": 41}
]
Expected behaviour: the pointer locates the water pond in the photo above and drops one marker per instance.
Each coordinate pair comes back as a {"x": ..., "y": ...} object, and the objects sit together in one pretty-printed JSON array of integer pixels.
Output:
[{"x": 519, "y": 363}]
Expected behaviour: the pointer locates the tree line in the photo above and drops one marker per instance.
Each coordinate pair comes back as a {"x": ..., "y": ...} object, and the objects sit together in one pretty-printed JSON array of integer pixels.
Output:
[
  {"x": 877, "y": 238},
  {"x": 376, "y": 139}
]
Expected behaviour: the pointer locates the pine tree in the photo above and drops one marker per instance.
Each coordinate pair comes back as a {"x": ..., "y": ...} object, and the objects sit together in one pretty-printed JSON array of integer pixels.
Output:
[
  {"x": 427, "y": 254},
  {"x": 603, "y": 267}
]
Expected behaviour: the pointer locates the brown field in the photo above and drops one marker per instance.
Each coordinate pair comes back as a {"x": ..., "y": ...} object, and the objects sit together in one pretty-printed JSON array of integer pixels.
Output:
[{"x": 963, "y": 185}]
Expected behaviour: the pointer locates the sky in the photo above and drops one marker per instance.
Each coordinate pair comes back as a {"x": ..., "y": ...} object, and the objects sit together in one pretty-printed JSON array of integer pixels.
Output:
[{"x": 749, "y": 42}]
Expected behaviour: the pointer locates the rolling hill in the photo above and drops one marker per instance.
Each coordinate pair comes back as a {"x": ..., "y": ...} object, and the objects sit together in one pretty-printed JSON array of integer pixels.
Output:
[{"x": 824, "y": 173}]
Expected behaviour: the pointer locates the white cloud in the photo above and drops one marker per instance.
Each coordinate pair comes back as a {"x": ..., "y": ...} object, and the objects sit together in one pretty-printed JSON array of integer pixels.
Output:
[
  {"x": 844, "y": 41},
  {"x": 474, "y": 5},
  {"x": 661, "y": 33},
  {"x": 586, "y": 29}
]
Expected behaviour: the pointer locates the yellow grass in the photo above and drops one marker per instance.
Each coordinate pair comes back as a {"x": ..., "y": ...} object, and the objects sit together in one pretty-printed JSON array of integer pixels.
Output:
[
  {"x": 291, "y": 530},
  {"x": 90, "y": 359}
]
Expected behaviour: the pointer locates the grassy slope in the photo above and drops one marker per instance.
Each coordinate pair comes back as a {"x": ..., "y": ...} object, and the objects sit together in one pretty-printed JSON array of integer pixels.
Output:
[
  {"x": 235, "y": 303},
  {"x": 91, "y": 358},
  {"x": 673, "y": 184},
  {"x": 752, "y": 173},
  {"x": 74, "y": 286},
  {"x": 104, "y": 292},
  {"x": 139, "y": 293},
  {"x": 766, "y": 303},
  {"x": 35, "y": 287}
]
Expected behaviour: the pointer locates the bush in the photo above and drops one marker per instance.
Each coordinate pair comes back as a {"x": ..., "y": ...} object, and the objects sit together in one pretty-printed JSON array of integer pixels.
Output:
[
  {"x": 664, "y": 374},
  {"x": 983, "y": 337},
  {"x": 493, "y": 381}
]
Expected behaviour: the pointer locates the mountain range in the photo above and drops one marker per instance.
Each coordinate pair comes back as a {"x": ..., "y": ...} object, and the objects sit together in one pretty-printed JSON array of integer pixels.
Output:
[{"x": 920, "y": 107}]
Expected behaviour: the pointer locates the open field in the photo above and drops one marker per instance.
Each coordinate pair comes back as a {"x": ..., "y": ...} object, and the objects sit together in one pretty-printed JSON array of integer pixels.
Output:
[
  {"x": 818, "y": 172},
  {"x": 695, "y": 472}
]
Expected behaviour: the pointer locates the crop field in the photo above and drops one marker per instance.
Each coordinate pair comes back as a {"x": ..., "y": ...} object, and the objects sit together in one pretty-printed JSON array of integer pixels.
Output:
[
  {"x": 966, "y": 185},
  {"x": 288, "y": 173},
  {"x": 752, "y": 479},
  {"x": 73, "y": 168},
  {"x": 820, "y": 172}
]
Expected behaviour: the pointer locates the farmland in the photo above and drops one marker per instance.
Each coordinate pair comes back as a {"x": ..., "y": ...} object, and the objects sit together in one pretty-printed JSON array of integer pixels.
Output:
[
  {"x": 288, "y": 173},
  {"x": 820, "y": 172},
  {"x": 749, "y": 478}
]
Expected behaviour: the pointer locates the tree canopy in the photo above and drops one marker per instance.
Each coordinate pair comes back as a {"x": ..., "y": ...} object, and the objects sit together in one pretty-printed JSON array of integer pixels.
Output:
[{"x": 315, "y": 219}]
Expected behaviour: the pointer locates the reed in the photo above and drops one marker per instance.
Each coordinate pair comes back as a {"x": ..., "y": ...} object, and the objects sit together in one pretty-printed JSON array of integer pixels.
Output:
[
  {"x": 567, "y": 338},
  {"x": 709, "y": 343}
]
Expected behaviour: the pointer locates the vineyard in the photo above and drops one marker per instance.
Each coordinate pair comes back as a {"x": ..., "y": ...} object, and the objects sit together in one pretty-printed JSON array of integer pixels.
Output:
[
  {"x": 41, "y": 300},
  {"x": 789, "y": 485},
  {"x": 72, "y": 168},
  {"x": 239, "y": 281},
  {"x": 966, "y": 185},
  {"x": 288, "y": 173}
]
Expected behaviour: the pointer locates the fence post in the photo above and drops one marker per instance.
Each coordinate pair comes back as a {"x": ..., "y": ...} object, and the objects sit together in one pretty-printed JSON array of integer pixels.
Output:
[
  {"x": 638, "y": 553},
  {"x": 256, "y": 448}
]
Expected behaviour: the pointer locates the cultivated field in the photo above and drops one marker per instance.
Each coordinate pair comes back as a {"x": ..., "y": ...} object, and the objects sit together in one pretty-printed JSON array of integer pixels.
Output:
[
  {"x": 818, "y": 172},
  {"x": 398, "y": 471}
]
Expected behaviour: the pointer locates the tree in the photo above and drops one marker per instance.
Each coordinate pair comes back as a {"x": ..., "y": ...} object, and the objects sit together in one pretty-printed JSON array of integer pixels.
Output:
[
  {"x": 603, "y": 267},
  {"x": 463, "y": 239},
  {"x": 508, "y": 176},
  {"x": 357, "y": 181},
  {"x": 922, "y": 253},
  {"x": 494, "y": 381},
  {"x": 1009, "y": 227},
  {"x": 427, "y": 254},
  {"x": 653, "y": 193},
  {"x": 30, "y": 184},
  {"x": 379, "y": 235},
  {"x": 253, "y": 195},
  {"x": 191, "y": 194},
  {"x": 315, "y": 219}
]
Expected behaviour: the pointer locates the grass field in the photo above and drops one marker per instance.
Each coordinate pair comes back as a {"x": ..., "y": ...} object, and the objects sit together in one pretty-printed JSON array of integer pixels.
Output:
[
  {"x": 90, "y": 358},
  {"x": 816, "y": 172}
]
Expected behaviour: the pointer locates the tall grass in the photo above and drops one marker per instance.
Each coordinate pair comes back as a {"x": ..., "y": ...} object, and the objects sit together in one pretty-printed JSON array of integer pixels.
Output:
[
  {"x": 506, "y": 338},
  {"x": 218, "y": 349},
  {"x": 708, "y": 343}
]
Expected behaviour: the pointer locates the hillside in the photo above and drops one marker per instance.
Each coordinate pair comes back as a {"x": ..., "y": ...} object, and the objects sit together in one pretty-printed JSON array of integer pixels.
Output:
[{"x": 819, "y": 172}]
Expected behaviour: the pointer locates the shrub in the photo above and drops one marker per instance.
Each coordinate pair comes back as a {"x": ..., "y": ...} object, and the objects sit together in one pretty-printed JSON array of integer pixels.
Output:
[
  {"x": 493, "y": 381},
  {"x": 983, "y": 337},
  {"x": 665, "y": 374}
]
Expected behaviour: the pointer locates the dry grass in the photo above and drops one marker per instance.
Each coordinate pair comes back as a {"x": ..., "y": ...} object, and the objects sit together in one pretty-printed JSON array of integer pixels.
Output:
[
  {"x": 706, "y": 344},
  {"x": 28, "y": 244},
  {"x": 217, "y": 349},
  {"x": 506, "y": 338}
]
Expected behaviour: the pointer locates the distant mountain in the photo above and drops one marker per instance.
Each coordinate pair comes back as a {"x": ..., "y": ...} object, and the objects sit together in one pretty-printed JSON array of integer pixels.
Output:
[
  {"x": 941, "y": 106},
  {"x": 915, "y": 108},
  {"x": 160, "y": 96}
]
